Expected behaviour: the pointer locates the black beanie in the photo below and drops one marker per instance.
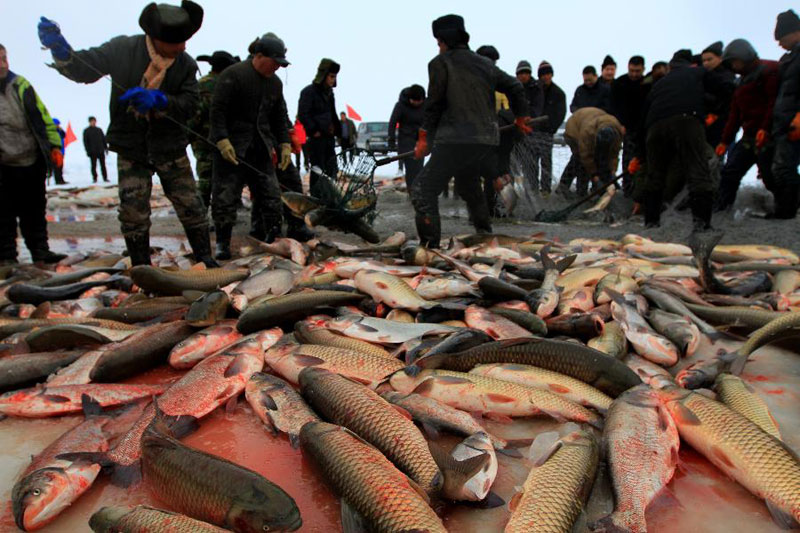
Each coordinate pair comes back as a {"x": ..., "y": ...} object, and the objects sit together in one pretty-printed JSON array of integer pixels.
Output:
[
  {"x": 714, "y": 48},
  {"x": 608, "y": 61},
  {"x": 544, "y": 68},
  {"x": 415, "y": 92},
  {"x": 682, "y": 55},
  {"x": 787, "y": 23},
  {"x": 487, "y": 50}
]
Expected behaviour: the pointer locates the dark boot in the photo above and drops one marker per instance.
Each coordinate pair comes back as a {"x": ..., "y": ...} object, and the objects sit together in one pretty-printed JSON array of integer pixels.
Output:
[
  {"x": 652, "y": 211},
  {"x": 786, "y": 203},
  {"x": 223, "y": 251},
  {"x": 429, "y": 230},
  {"x": 273, "y": 233},
  {"x": 702, "y": 205},
  {"x": 201, "y": 246},
  {"x": 138, "y": 248},
  {"x": 46, "y": 256},
  {"x": 297, "y": 230}
]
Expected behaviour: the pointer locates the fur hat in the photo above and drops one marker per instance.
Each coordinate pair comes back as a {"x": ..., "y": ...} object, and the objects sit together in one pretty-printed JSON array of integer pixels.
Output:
[{"x": 171, "y": 24}]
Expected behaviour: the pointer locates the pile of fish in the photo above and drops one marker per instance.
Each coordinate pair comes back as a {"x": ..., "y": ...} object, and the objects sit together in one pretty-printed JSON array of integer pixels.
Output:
[{"x": 362, "y": 357}]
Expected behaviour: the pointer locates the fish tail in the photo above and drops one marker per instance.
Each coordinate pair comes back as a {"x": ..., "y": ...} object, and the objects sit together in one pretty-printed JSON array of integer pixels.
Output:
[
  {"x": 737, "y": 365},
  {"x": 702, "y": 244},
  {"x": 456, "y": 473},
  {"x": 547, "y": 262},
  {"x": 125, "y": 476},
  {"x": 616, "y": 522},
  {"x": 176, "y": 427}
]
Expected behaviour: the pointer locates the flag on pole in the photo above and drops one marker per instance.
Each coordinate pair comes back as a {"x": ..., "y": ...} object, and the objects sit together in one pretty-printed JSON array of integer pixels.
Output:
[
  {"x": 351, "y": 113},
  {"x": 70, "y": 137}
]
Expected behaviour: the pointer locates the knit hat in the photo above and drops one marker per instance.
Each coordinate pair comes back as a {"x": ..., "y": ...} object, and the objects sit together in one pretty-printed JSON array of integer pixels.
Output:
[
  {"x": 524, "y": 66},
  {"x": 608, "y": 61},
  {"x": 171, "y": 24},
  {"x": 786, "y": 24},
  {"x": 544, "y": 68},
  {"x": 487, "y": 50},
  {"x": 682, "y": 55},
  {"x": 740, "y": 49},
  {"x": 450, "y": 30},
  {"x": 714, "y": 48}
]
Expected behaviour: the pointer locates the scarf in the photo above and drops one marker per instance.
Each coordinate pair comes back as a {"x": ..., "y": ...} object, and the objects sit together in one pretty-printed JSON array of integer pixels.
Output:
[{"x": 157, "y": 69}]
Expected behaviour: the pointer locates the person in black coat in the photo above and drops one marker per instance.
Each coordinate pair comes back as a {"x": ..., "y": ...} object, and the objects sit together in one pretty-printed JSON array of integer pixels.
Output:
[
  {"x": 592, "y": 93},
  {"x": 94, "y": 141},
  {"x": 555, "y": 107},
  {"x": 718, "y": 103},
  {"x": 317, "y": 112},
  {"x": 628, "y": 94},
  {"x": 527, "y": 150},
  {"x": 405, "y": 122}
]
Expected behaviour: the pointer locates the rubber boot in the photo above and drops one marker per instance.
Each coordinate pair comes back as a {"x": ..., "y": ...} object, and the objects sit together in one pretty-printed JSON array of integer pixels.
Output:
[
  {"x": 429, "y": 230},
  {"x": 297, "y": 230},
  {"x": 138, "y": 248},
  {"x": 786, "y": 203},
  {"x": 201, "y": 246},
  {"x": 702, "y": 205},
  {"x": 223, "y": 249},
  {"x": 652, "y": 210},
  {"x": 273, "y": 233},
  {"x": 46, "y": 256}
]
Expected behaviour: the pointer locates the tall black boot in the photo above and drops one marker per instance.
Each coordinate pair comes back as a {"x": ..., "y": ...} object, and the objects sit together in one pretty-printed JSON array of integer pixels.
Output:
[
  {"x": 201, "y": 245},
  {"x": 223, "y": 251},
  {"x": 429, "y": 230},
  {"x": 296, "y": 229},
  {"x": 786, "y": 202},
  {"x": 138, "y": 248},
  {"x": 652, "y": 210},
  {"x": 702, "y": 205},
  {"x": 46, "y": 256}
]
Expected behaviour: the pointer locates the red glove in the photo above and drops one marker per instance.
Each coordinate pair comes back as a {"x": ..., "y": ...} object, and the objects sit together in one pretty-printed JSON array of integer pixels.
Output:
[
  {"x": 421, "y": 148},
  {"x": 761, "y": 138},
  {"x": 522, "y": 125},
  {"x": 721, "y": 149},
  {"x": 710, "y": 119},
  {"x": 637, "y": 208},
  {"x": 297, "y": 146},
  {"x": 794, "y": 128},
  {"x": 274, "y": 158},
  {"x": 634, "y": 166},
  {"x": 57, "y": 157}
]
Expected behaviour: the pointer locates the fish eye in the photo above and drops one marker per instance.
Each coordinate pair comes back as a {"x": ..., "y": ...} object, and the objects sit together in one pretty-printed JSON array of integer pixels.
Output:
[
  {"x": 265, "y": 528},
  {"x": 36, "y": 492}
]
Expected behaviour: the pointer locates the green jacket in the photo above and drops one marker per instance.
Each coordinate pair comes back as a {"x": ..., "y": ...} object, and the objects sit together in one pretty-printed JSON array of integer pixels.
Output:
[
  {"x": 201, "y": 122},
  {"x": 39, "y": 119}
]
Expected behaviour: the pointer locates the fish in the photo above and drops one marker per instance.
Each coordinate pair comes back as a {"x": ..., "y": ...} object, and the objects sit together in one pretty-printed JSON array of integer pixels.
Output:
[
  {"x": 208, "y": 310},
  {"x": 673, "y": 304},
  {"x": 368, "y": 483},
  {"x": 173, "y": 283},
  {"x": 289, "y": 360},
  {"x": 34, "y": 294},
  {"x": 299, "y": 203},
  {"x": 494, "y": 397},
  {"x": 579, "y": 324},
  {"x": 68, "y": 336},
  {"x": 737, "y": 394},
  {"x": 497, "y": 289},
  {"x": 284, "y": 247},
  {"x": 276, "y": 282},
  {"x": 494, "y": 325},
  {"x": 27, "y": 369},
  {"x": 755, "y": 252},
  {"x": 525, "y": 319},
  {"x": 645, "y": 246},
  {"x": 390, "y": 290},
  {"x": 586, "y": 364},
  {"x": 556, "y": 489},
  {"x": 544, "y": 300},
  {"x": 739, "y": 448},
  {"x": 67, "y": 278},
  {"x": 145, "y": 313},
  {"x": 702, "y": 246},
  {"x": 576, "y": 300},
  {"x": 611, "y": 341},
  {"x": 291, "y": 307},
  {"x": 200, "y": 345},
  {"x": 467, "y": 271},
  {"x": 650, "y": 373},
  {"x": 384, "y": 331},
  {"x": 568, "y": 387},
  {"x": 645, "y": 341},
  {"x": 348, "y": 268},
  {"x": 786, "y": 281},
  {"x": 640, "y": 444},
  {"x": 144, "y": 518},
  {"x": 616, "y": 282},
  {"x": 436, "y": 287},
  {"x": 735, "y": 316},
  {"x": 679, "y": 330},
  {"x": 42, "y": 402},
  {"x": 278, "y": 406},
  {"x": 398, "y": 315},
  {"x": 213, "y": 489},
  {"x": 477, "y": 487},
  {"x": 308, "y": 333}
]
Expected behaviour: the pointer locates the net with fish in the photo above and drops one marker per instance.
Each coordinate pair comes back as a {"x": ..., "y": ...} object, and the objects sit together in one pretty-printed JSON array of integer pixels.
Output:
[{"x": 351, "y": 193}]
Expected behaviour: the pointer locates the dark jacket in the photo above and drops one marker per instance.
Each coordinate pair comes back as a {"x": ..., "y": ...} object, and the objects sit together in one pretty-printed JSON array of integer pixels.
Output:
[
  {"x": 555, "y": 107},
  {"x": 351, "y": 126},
  {"x": 94, "y": 141},
  {"x": 787, "y": 104},
  {"x": 753, "y": 102},
  {"x": 627, "y": 101},
  {"x": 317, "y": 111},
  {"x": 247, "y": 107},
  {"x": 598, "y": 95},
  {"x": 125, "y": 59},
  {"x": 200, "y": 122},
  {"x": 535, "y": 97},
  {"x": 460, "y": 108},
  {"x": 681, "y": 92},
  {"x": 720, "y": 84},
  {"x": 409, "y": 119}
]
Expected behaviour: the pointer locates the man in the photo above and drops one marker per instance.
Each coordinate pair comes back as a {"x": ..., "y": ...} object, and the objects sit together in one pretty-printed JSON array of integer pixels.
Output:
[
  {"x": 717, "y": 103},
  {"x": 460, "y": 121},
  {"x": 29, "y": 147},
  {"x": 404, "y": 123},
  {"x": 94, "y": 141},
  {"x": 348, "y": 135},
  {"x": 58, "y": 171},
  {"x": 528, "y": 149},
  {"x": 555, "y": 107},
  {"x": 298, "y": 134},
  {"x": 608, "y": 71},
  {"x": 317, "y": 111},
  {"x": 659, "y": 70},
  {"x": 786, "y": 118},
  {"x": 628, "y": 94},
  {"x": 153, "y": 91},
  {"x": 248, "y": 111},
  {"x": 595, "y": 138},
  {"x": 591, "y": 93},
  {"x": 751, "y": 109},
  {"x": 203, "y": 151}
]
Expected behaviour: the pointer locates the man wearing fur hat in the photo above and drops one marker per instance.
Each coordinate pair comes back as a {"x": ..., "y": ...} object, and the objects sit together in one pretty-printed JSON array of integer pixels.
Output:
[
  {"x": 153, "y": 81},
  {"x": 786, "y": 118},
  {"x": 317, "y": 112}
]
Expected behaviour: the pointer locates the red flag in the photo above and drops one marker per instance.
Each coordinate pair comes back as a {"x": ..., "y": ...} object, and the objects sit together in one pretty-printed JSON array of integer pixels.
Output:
[
  {"x": 70, "y": 137},
  {"x": 351, "y": 113}
]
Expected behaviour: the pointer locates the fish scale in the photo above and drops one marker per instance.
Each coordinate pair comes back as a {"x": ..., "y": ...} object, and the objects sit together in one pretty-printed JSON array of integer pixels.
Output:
[
  {"x": 143, "y": 519},
  {"x": 739, "y": 396},
  {"x": 310, "y": 334},
  {"x": 288, "y": 361}
]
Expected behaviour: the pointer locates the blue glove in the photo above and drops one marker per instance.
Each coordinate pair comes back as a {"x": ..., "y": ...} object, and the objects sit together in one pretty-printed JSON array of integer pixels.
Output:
[
  {"x": 143, "y": 100},
  {"x": 50, "y": 37}
]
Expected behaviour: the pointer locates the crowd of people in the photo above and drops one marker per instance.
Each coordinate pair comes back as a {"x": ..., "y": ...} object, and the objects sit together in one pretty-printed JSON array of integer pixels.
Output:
[{"x": 674, "y": 127}]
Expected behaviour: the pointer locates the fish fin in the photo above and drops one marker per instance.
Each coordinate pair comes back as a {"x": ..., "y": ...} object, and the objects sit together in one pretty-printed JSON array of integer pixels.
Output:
[
  {"x": 430, "y": 430},
  {"x": 230, "y": 405},
  {"x": 517, "y": 443},
  {"x": 90, "y": 406},
  {"x": 737, "y": 366},
  {"x": 125, "y": 476},
  {"x": 55, "y": 398},
  {"x": 424, "y": 388},
  {"x": 457, "y": 473},
  {"x": 497, "y": 417},
  {"x": 267, "y": 401},
  {"x": 565, "y": 263},
  {"x": 236, "y": 366},
  {"x": 352, "y": 520},
  {"x": 176, "y": 427},
  {"x": 544, "y": 446},
  {"x": 506, "y": 343},
  {"x": 192, "y": 296},
  {"x": 307, "y": 360},
  {"x": 100, "y": 458},
  {"x": 497, "y": 269},
  {"x": 684, "y": 415},
  {"x": 615, "y": 296},
  {"x": 664, "y": 419},
  {"x": 41, "y": 311},
  {"x": 514, "y": 502},
  {"x": 783, "y": 519},
  {"x": 509, "y": 452},
  {"x": 402, "y": 411},
  {"x": 491, "y": 501}
]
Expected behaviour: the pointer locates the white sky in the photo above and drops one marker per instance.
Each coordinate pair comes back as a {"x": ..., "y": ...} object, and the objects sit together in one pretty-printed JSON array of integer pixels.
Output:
[{"x": 385, "y": 46}]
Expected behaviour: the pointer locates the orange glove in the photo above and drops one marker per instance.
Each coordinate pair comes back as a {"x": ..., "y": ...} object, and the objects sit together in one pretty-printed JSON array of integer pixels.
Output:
[
  {"x": 637, "y": 208},
  {"x": 710, "y": 119},
  {"x": 57, "y": 157},
  {"x": 794, "y": 128},
  {"x": 297, "y": 146},
  {"x": 634, "y": 166},
  {"x": 421, "y": 148},
  {"x": 761, "y": 138},
  {"x": 522, "y": 125},
  {"x": 721, "y": 149}
]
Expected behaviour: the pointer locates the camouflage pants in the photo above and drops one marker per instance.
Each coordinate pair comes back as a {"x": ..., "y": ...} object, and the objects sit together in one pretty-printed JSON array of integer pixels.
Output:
[
  {"x": 204, "y": 170},
  {"x": 135, "y": 187},
  {"x": 229, "y": 180}
]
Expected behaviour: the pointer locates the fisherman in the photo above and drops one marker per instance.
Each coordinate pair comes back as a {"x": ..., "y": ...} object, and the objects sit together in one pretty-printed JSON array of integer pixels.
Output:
[
  {"x": 528, "y": 148},
  {"x": 592, "y": 93},
  {"x": 94, "y": 142},
  {"x": 718, "y": 103},
  {"x": 628, "y": 94},
  {"x": 608, "y": 71},
  {"x": 595, "y": 138},
  {"x": 460, "y": 119},
  {"x": 249, "y": 123},
  {"x": 786, "y": 119},
  {"x": 348, "y": 136},
  {"x": 751, "y": 109},
  {"x": 316, "y": 110},
  {"x": 203, "y": 151},
  {"x": 404, "y": 123},
  {"x": 555, "y": 108},
  {"x": 154, "y": 91},
  {"x": 29, "y": 147}
]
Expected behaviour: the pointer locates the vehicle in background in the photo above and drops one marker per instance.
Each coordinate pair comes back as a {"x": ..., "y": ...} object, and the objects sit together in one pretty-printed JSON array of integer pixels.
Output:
[{"x": 373, "y": 137}]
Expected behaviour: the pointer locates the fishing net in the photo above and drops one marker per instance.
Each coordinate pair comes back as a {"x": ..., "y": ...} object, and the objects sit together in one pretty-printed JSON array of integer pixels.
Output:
[{"x": 351, "y": 193}]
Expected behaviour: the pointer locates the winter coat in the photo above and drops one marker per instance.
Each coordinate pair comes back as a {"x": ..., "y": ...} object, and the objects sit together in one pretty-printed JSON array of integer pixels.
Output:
[
  {"x": 581, "y": 131},
  {"x": 201, "y": 122},
  {"x": 246, "y": 107},
  {"x": 787, "y": 103},
  {"x": 627, "y": 101},
  {"x": 317, "y": 111},
  {"x": 94, "y": 141},
  {"x": 409, "y": 120},
  {"x": 533, "y": 93},
  {"x": 460, "y": 108},
  {"x": 555, "y": 107},
  {"x": 353, "y": 130},
  {"x": 753, "y": 102},
  {"x": 135, "y": 137},
  {"x": 598, "y": 95},
  {"x": 681, "y": 92},
  {"x": 720, "y": 84}
]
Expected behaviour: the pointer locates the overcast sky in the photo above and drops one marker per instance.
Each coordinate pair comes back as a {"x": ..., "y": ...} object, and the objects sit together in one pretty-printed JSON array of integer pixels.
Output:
[{"x": 385, "y": 46}]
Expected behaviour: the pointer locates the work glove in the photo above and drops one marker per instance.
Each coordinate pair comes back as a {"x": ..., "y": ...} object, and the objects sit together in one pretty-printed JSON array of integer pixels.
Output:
[
  {"x": 794, "y": 128},
  {"x": 711, "y": 118},
  {"x": 143, "y": 100},
  {"x": 421, "y": 148},
  {"x": 522, "y": 125},
  {"x": 721, "y": 149},
  {"x": 297, "y": 147},
  {"x": 57, "y": 158},
  {"x": 286, "y": 155},
  {"x": 761, "y": 138},
  {"x": 50, "y": 37},
  {"x": 634, "y": 166},
  {"x": 227, "y": 151}
]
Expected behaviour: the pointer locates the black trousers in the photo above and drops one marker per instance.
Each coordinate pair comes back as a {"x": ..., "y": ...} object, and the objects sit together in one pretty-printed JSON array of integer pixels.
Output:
[
  {"x": 289, "y": 180},
  {"x": 94, "y": 159},
  {"x": 462, "y": 161},
  {"x": 543, "y": 159},
  {"x": 741, "y": 159},
  {"x": 787, "y": 180},
  {"x": 574, "y": 171},
  {"x": 413, "y": 166},
  {"x": 628, "y": 153},
  {"x": 322, "y": 153},
  {"x": 23, "y": 197}
]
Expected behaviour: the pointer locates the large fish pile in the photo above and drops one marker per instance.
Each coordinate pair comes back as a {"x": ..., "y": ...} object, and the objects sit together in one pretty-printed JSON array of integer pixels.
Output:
[{"x": 360, "y": 357}]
